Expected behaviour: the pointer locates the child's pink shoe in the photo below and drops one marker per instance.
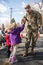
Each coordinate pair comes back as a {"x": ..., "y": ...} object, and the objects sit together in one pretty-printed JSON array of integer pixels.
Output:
[
  {"x": 13, "y": 60},
  {"x": 10, "y": 59}
]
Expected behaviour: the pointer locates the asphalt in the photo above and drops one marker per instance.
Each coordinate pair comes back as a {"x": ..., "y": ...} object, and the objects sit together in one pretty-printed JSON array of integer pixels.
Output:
[{"x": 36, "y": 59}]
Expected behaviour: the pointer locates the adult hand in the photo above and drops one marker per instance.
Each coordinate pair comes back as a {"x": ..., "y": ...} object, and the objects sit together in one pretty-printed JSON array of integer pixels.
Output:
[{"x": 23, "y": 21}]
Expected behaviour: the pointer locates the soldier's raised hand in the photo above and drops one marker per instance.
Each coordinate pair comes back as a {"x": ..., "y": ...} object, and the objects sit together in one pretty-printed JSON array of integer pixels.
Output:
[{"x": 23, "y": 21}]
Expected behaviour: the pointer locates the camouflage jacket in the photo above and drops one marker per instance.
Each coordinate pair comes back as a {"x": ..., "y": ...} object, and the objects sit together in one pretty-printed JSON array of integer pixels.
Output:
[{"x": 34, "y": 20}]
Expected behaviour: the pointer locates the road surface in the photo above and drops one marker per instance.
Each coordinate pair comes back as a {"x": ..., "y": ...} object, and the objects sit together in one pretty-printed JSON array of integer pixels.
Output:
[{"x": 37, "y": 59}]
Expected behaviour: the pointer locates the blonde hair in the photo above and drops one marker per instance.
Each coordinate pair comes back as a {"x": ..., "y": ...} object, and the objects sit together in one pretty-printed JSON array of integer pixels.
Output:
[{"x": 11, "y": 26}]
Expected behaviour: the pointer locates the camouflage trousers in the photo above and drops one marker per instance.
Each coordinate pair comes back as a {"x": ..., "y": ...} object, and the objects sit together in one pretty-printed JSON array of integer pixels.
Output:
[{"x": 31, "y": 35}]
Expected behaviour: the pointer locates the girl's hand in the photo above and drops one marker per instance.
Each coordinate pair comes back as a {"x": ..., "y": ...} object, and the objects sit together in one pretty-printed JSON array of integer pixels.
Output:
[{"x": 8, "y": 30}]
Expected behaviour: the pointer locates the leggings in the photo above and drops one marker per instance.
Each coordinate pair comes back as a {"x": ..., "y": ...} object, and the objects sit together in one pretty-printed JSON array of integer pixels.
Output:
[{"x": 13, "y": 53}]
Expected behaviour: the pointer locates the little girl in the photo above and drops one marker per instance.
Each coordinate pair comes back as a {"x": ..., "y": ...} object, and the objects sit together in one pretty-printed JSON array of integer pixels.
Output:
[{"x": 15, "y": 38}]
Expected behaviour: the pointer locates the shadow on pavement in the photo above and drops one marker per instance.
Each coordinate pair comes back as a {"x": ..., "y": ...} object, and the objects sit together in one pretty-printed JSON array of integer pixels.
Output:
[
  {"x": 30, "y": 57},
  {"x": 36, "y": 59}
]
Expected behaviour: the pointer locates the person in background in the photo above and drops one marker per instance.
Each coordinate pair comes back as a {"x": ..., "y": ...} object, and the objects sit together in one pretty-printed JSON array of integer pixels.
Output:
[
  {"x": 8, "y": 44},
  {"x": 3, "y": 34},
  {"x": 7, "y": 37},
  {"x": 2, "y": 38},
  {"x": 3, "y": 29}
]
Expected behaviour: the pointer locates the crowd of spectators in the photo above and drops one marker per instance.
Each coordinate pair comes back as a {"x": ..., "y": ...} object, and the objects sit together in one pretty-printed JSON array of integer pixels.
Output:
[{"x": 2, "y": 35}]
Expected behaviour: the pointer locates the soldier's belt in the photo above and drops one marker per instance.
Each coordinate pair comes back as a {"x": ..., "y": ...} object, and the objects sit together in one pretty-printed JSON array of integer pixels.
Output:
[{"x": 33, "y": 30}]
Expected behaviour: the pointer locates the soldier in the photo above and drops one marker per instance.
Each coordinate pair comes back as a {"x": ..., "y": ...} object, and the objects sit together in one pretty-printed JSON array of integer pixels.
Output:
[{"x": 34, "y": 21}]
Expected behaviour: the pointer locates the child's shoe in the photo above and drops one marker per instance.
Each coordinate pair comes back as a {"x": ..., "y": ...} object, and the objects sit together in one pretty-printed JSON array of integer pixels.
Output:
[{"x": 13, "y": 60}]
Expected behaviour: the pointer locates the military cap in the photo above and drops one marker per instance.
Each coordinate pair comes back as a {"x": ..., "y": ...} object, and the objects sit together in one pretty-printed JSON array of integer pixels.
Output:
[{"x": 27, "y": 6}]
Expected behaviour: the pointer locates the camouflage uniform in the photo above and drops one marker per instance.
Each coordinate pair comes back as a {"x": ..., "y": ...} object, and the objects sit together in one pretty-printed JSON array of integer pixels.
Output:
[{"x": 34, "y": 21}]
